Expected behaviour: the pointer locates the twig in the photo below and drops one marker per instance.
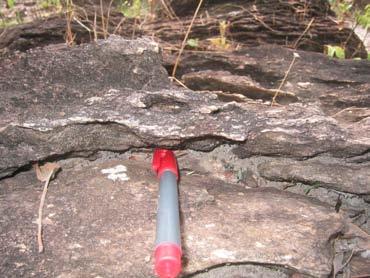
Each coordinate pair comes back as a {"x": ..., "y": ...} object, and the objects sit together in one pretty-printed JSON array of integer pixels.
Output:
[
  {"x": 349, "y": 259},
  {"x": 345, "y": 109},
  {"x": 134, "y": 28},
  {"x": 304, "y": 33},
  {"x": 108, "y": 15},
  {"x": 39, "y": 221},
  {"x": 190, "y": 173},
  {"x": 168, "y": 11},
  {"x": 83, "y": 25},
  {"x": 344, "y": 265},
  {"x": 295, "y": 55},
  {"x": 94, "y": 27},
  {"x": 263, "y": 23},
  {"x": 3, "y": 32},
  {"x": 69, "y": 15},
  {"x": 179, "y": 82},
  {"x": 119, "y": 25},
  {"x": 359, "y": 45},
  {"x": 350, "y": 34},
  {"x": 102, "y": 19},
  {"x": 186, "y": 38}
]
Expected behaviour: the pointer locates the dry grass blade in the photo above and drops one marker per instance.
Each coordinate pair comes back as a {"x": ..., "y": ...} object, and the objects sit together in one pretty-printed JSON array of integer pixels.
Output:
[
  {"x": 186, "y": 38},
  {"x": 169, "y": 11},
  {"x": 304, "y": 33},
  {"x": 108, "y": 17},
  {"x": 172, "y": 78},
  {"x": 83, "y": 25},
  {"x": 102, "y": 19},
  {"x": 69, "y": 36},
  {"x": 94, "y": 28},
  {"x": 119, "y": 25},
  {"x": 359, "y": 45},
  {"x": 295, "y": 56},
  {"x": 44, "y": 173},
  {"x": 3, "y": 32},
  {"x": 341, "y": 267}
]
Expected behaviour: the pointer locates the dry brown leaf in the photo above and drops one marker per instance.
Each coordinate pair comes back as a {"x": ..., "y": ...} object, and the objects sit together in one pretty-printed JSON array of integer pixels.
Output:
[{"x": 43, "y": 172}]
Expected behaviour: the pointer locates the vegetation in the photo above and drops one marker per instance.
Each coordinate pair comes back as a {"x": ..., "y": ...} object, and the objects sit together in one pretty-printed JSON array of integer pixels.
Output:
[
  {"x": 13, "y": 15},
  {"x": 46, "y": 4},
  {"x": 345, "y": 10},
  {"x": 221, "y": 41},
  {"x": 134, "y": 9},
  {"x": 335, "y": 51},
  {"x": 194, "y": 43},
  {"x": 363, "y": 17},
  {"x": 10, "y": 3},
  {"x": 137, "y": 9}
]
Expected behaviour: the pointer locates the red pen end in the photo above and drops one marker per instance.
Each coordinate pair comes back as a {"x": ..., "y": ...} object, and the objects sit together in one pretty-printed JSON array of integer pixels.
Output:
[
  {"x": 167, "y": 258},
  {"x": 164, "y": 160}
]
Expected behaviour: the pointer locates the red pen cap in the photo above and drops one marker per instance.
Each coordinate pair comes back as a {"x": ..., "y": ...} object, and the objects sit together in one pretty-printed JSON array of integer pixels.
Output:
[
  {"x": 167, "y": 258},
  {"x": 164, "y": 160}
]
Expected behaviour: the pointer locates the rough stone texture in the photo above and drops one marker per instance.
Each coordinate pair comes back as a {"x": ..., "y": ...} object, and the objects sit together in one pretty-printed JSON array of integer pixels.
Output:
[
  {"x": 96, "y": 226},
  {"x": 256, "y": 23},
  {"x": 227, "y": 82},
  {"x": 249, "y": 23},
  {"x": 332, "y": 84},
  {"x": 59, "y": 103},
  {"x": 345, "y": 178},
  {"x": 50, "y": 107}
]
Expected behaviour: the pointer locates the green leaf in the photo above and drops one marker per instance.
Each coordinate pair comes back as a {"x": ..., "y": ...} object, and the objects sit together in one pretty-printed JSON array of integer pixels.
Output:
[
  {"x": 368, "y": 56},
  {"x": 131, "y": 11},
  {"x": 136, "y": 9},
  {"x": 193, "y": 43},
  {"x": 363, "y": 18},
  {"x": 335, "y": 51},
  {"x": 344, "y": 7},
  {"x": 339, "y": 52},
  {"x": 330, "y": 50},
  {"x": 10, "y": 3}
]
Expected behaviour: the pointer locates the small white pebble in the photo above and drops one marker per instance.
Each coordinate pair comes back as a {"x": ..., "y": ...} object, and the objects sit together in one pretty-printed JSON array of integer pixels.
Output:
[
  {"x": 74, "y": 246},
  {"x": 116, "y": 173},
  {"x": 223, "y": 254}
]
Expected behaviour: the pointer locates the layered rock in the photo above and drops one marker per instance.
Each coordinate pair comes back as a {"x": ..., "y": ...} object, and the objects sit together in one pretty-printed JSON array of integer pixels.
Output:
[
  {"x": 99, "y": 224},
  {"x": 59, "y": 103}
]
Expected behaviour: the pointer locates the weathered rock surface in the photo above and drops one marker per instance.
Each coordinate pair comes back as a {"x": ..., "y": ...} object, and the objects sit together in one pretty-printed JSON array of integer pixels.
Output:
[
  {"x": 235, "y": 84},
  {"x": 345, "y": 178},
  {"x": 96, "y": 223},
  {"x": 115, "y": 96},
  {"x": 60, "y": 102},
  {"x": 332, "y": 84},
  {"x": 248, "y": 23},
  {"x": 252, "y": 23}
]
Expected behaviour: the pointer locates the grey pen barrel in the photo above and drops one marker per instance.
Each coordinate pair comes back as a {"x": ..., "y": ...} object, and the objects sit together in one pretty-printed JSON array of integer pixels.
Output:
[{"x": 168, "y": 217}]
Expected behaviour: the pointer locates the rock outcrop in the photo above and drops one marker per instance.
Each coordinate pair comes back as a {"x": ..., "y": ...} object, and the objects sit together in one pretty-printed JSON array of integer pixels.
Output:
[
  {"x": 59, "y": 103},
  {"x": 99, "y": 225}
]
